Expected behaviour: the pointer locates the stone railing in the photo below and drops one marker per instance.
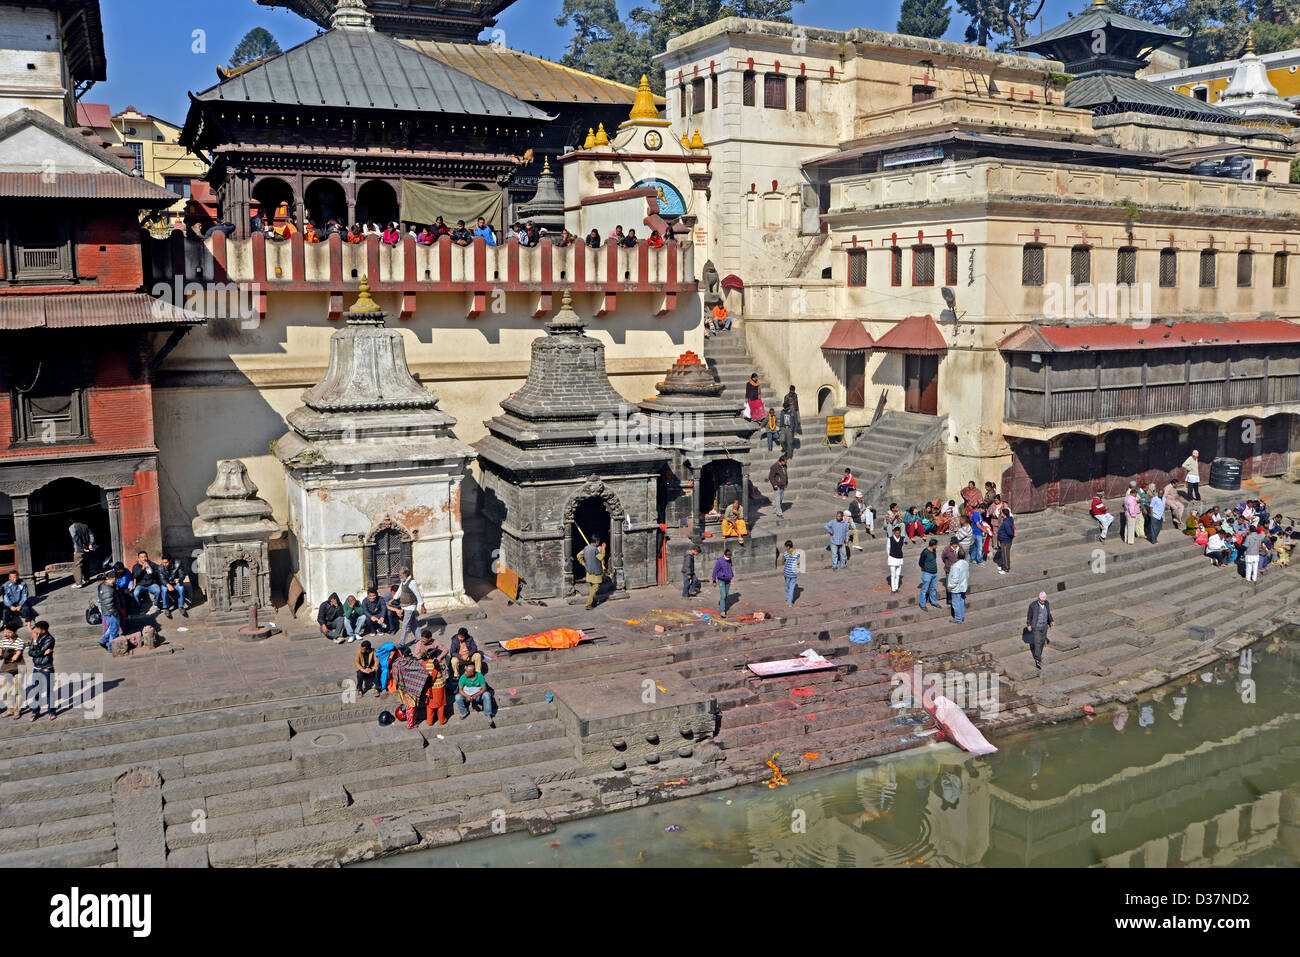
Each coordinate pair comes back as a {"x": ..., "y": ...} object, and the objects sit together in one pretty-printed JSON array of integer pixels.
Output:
[
  {"x": 293, "y": 265},
  {"x": 985, "y": 180},
  {"x": 1023, "y": 110}
]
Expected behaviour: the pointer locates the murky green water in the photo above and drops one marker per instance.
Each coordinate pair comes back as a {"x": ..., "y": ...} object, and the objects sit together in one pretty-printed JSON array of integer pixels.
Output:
[{"x": 1205, "y": 771}]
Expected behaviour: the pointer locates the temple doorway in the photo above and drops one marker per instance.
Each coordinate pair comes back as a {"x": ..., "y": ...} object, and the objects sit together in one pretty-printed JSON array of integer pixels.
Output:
[
  {"x": 53, "y": 508},
  {"x": 590, "y": 519}
]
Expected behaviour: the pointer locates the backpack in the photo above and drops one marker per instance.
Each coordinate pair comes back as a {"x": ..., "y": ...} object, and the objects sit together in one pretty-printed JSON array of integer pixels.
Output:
[{"x": 93, "y": 616}]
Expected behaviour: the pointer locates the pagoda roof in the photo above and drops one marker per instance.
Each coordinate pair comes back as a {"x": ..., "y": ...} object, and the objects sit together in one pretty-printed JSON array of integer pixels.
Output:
[
  {"x": 1099, "y": 16},
  {"x": 366, "y": 70},
  {"x": 1107, "y": 93}
]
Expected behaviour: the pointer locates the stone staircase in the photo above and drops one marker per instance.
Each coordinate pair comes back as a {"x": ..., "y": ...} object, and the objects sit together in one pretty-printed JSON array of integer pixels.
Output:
[
  {"x": 898, "y": 458},
  {"x": 314, "y": 776}
]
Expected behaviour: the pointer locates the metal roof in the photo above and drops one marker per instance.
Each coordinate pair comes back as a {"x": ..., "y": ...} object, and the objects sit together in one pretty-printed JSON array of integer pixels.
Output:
[
  {"x": 1105, "y": 337},
  {"x": 525, "y": 76},
  {"x": 84, "y": 186},
  {"x": 94, "y": 115},
  {"x": 893, "y": 144},
  {"x": 91, "y": 309},
  {"x": 363, "y": 69},
  {"x": 1099, "y": 16},
  {"x": 915, "y": 334},
  {"x": 848, "y": 335},
  {"x": 1107, "y": 93}
]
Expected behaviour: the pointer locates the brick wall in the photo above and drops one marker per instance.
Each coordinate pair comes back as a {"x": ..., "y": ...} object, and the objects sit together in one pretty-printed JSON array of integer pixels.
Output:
[{"x": 141, "y": 524}]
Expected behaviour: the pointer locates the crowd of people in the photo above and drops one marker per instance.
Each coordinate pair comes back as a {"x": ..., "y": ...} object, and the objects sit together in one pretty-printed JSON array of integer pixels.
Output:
[
  {"x": 419, "y": 674},
  {"x": 1246, "y": 537}
]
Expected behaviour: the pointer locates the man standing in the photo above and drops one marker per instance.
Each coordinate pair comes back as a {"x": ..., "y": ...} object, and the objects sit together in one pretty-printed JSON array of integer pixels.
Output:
[
  {"x": 791, "y": 404},
  {"x": 690, "y": 584},
  {"x": 11, "y": 669},
  {"x": 838, "y": 529},
  {"x": 792, "y": 564},
  {"x": 1101, "y": 515},
  {"x": 1131, "y": 513},
  {"x": 83, "y": 547},
  {"x": 1006, "y": 537},
  {"x": 1156, "y": 518},
  {"x": 409, "y": 600},
  {"x": 41, "y": 646},
  {"x": 1037, "y": 622},
  {"x": 787, "y": 434},
  {"x": 778, "y": 478},
  {"x": 1250, "y": 546},
  {"x": 1193, "y": 469},
  {"x": 723, "y": 573},
  {"x": 593, "y": 563},
  {"x": 895, "y": 553},
  {"x": 17, "y": 599},
  {"x": 771, "y": 427},
  {"x": 173, "y": 583},
  {"x": 929, "y": 563},
  {"x": 148, "y": 581},
  {"x": 958, "y": 583}
]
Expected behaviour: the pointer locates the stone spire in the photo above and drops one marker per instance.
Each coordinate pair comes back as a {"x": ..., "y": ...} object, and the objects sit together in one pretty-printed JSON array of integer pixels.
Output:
[
  {"x": 351, "y": 15},
  {"x": 1252, "y": 95},
  {"x": 546, "y": 208}
]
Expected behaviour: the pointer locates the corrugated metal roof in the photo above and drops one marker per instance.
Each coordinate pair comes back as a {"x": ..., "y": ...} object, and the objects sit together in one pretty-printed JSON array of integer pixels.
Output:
[
  {"x": 848, "y": 335},
  {"x": 1099, "y": 16},
  {"x": 525, "y": 76},
  {"x": 1102, "y": 89},
  {"x": 88, "y": 310},
  {"x": 84, "y": 186},
  {"x": 1177, "y": 335},
  {"x": 915, "y": 334},
  {"x": 362, "y": 69}
]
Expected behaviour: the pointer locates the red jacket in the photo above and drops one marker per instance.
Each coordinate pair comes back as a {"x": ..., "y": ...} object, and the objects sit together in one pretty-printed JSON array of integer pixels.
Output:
[{"x": 1098, "y": 506}]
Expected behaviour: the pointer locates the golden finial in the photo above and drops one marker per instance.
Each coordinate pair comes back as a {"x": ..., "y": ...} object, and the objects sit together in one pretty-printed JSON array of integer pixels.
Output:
[
  {"x": 643, "y": 107},
  {"x": 1250, "y": 44},
  {"x": 590, "y": 141},
  {"x": 546, "y": 165},
  {"x": 365, "y": 303},
  {"x": 602, "y": 138},
  {"x": 697, "y": 141},
  {"x": 686, "y": 140}
]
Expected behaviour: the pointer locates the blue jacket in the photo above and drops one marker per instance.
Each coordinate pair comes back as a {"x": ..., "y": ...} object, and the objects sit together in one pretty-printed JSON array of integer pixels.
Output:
[
  {"x": 1007, "y": 530},
  {"x": 15, "y": 593},
  {"x": 487, "y": 234},
  {"x": 839, "y": 530}
]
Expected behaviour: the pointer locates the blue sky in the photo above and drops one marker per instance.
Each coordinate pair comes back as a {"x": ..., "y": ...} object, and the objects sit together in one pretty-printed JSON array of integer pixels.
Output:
[{"x": 153, "y": 64}]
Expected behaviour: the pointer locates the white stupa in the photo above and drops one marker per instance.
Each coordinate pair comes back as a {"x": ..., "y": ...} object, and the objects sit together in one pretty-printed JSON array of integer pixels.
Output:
[{"x": 1250, "y": 94}]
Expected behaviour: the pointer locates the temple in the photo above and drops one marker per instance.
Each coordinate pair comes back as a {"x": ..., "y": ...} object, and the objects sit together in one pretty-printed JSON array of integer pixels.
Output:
[{"x": 419, "y": 19}]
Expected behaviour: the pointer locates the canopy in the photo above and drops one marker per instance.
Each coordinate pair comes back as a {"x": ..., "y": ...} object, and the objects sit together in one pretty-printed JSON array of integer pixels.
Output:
[
  {"x": 423, "y": 203},
  {"x": 918, "y": 335},
  {"x": 848, "y": 335}
]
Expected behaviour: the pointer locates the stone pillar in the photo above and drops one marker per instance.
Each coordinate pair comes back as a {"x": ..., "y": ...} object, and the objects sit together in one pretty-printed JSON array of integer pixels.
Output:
[
  {"x": 616, "y": 552},
  {"x": 22, "y": 534},
  {"x": 114, "y": 500}
]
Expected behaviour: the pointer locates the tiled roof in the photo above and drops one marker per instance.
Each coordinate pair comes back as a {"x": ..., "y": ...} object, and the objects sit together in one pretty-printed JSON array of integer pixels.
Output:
[
  {"x": 915, "y": 334},
  {"x": 1104, "y": 337},
  {"x": 95, "y": 115},
  {"x": 848, "y": 335},
  {"x": 1111, "y": 92},
  {"x": 84, "y": 186}
]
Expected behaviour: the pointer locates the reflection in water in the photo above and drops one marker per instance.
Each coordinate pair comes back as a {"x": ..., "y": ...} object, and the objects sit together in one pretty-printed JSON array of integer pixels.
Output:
[{"x": 1204, "y": 771}]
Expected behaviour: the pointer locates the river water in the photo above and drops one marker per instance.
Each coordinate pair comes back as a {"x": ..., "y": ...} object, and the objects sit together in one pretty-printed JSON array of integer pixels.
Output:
[{"x": 1202, "y": 771}]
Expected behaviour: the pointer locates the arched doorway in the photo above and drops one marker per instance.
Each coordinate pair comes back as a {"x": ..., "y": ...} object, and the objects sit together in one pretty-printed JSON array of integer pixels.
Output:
[
  {"x": 720, "y": 485},
  {"x": 1204, "y": 438},
  {"x": 1274, "y": 445},
  {"x": 376, "y": 203},
  {"x": 326, "y": 200},
  {"x": 1164, "y": 455},
  {"x": 1027, "y": 482},
  {"x": 53, "y": 508},
  {"x": 826, "y": 400},
  {"x": 1241, "y": 441},
  {"x": 1123, "y": 461},
  {"x": 590, "y": 519},
  {"x": 1078, "y": 469},
  {"x": 270, "y": 194}
]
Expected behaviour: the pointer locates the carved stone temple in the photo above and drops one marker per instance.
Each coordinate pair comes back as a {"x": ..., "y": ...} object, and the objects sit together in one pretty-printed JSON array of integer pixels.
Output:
[
  {"x": 561, "y": 466},
  {"x": 373, "y": 472},
  {"x": 235, "y": 527}
]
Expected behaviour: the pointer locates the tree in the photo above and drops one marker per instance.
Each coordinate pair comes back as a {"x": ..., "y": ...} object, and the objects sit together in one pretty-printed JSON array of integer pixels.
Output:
[
  {"x": 925, "y": 18},
  {"x": 1219, "y": 28},
  {"x": 258, "y": 44}
]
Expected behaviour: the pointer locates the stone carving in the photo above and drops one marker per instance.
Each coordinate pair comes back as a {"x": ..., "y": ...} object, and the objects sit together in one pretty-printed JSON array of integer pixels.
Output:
[{"x": 235, "y": 526}]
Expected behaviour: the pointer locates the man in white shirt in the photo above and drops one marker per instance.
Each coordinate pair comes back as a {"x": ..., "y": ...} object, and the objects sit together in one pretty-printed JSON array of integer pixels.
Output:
[
  {"x": 409, "y": 599},
  {"x": 1193, "y": 469}
]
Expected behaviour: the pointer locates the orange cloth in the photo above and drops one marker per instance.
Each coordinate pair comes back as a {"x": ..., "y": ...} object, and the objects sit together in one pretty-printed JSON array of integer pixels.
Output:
[
  {"x": 719, "y": 311},
  {"x": 555, "y": 638}
]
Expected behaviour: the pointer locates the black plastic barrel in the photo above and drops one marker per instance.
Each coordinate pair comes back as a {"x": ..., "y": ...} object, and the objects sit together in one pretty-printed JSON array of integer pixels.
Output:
[{"x": 1225, "y": 474}]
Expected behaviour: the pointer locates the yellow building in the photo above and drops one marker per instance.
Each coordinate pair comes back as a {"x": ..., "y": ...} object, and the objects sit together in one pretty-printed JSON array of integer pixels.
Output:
[
  {"x": 158, "y": 154},
  {"x": 1208, "y": 81}
]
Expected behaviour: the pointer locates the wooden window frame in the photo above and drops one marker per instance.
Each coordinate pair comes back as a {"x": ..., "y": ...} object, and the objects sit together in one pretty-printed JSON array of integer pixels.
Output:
[
  {"x": 895, "y": 266},
  {"x": 1027, "y": 253},
  {"x": 919, "y": 252},
  {"x": 1210, "y": 256},
  {"x": 748, "y": 85},
  {"x": 801, "y": 94},
  {"x": 857, "y": 259},
  {"x": 770, "y": 85},
  {"x": 1169, "y": 254}
]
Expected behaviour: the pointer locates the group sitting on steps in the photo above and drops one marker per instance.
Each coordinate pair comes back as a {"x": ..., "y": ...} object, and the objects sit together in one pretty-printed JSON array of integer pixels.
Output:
[{"x": 419, "y": 674}]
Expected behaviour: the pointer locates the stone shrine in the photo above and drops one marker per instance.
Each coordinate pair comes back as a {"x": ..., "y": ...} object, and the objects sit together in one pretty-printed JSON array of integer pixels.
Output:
[
  {"x": 235, "y": 527},
  {"x": 561, "y": 465},
  {"x": 373, "y": 472}
]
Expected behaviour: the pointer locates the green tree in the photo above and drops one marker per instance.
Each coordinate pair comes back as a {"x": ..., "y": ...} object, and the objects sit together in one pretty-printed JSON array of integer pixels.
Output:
[
  {"x": 258, "y": 44},
  {"x": 924, "y": 18}
]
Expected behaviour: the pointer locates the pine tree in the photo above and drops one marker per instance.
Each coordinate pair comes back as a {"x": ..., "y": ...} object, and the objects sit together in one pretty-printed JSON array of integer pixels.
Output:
[
  {"x": 925, "y": 18},
  {"x": 258, "y": 44}
]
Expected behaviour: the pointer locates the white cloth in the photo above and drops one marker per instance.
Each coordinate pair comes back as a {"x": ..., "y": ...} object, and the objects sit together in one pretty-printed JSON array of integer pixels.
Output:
[{"x": 1104, "y": 521}]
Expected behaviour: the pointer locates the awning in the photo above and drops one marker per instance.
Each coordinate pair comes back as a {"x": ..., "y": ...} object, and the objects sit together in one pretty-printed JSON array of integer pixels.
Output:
[
  {"x": 848, "y": 335},
  {"x": 86, "y": 310},
  {"x": 1109, "y": 337},
  {"x": 918, "y": 335}
]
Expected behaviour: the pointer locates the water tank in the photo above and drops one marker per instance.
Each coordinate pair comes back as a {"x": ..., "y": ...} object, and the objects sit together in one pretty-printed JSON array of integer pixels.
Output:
[{"x": 1225, "y": 474}]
